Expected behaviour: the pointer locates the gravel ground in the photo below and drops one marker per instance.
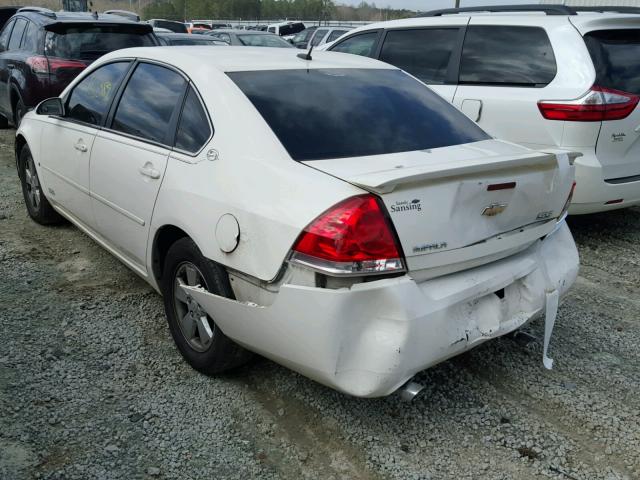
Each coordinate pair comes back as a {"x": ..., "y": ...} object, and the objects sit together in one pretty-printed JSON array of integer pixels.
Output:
[{"x": 91, "y": 385}]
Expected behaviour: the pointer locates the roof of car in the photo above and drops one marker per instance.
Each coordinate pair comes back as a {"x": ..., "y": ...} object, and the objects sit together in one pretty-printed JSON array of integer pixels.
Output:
[
  {"x": 236, "y": 59},
  {"x": 75, "y": 17},
  {"x": 532, "y": 18},
  {"x": 241, "y": 32}
]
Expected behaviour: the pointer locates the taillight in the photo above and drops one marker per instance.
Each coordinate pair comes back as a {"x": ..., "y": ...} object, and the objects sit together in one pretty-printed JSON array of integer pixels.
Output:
[
  {"x": 353, "y": 237},
  {"x": 41, "y": 64},
  {"x": 596, "y": 105},
  {"x": 567, "y": 203},
  {"x": 38, "y": 64}
]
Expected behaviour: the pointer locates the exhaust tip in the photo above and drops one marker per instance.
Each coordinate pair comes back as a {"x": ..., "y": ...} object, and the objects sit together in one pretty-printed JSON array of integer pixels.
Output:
[{"x": 409, "y": 391}]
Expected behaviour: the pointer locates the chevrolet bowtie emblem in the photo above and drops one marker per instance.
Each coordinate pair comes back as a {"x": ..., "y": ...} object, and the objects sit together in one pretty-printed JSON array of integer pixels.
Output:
[{"x": 494, "y": 209}]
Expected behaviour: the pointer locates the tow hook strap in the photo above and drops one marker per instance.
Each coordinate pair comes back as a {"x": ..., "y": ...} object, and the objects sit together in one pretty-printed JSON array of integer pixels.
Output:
[
  {"x": 549, "y": 320},
  {"x": 551, "y": 309}
]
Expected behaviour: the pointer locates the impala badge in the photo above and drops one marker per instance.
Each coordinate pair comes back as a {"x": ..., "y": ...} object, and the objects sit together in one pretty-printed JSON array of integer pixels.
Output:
[{"x": 494, "y": 209}]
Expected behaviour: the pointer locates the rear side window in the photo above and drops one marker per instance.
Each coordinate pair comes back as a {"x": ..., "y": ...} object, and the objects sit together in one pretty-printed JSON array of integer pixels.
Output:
[
  {"x": 148, "y": 102},
  {"x": 616, "y": 55},
  {"x": 92, "y": 41},
  {"x": 30, "y": 38},
  {"x": 424, "y": 53},
  {"x": 517, "y": 56},
  {"x": 193, "y": 128},
  {"x": 16, "y": 35},
  {"x": 90, "y": 100},
  {"x": 358, "y": 44},
  {"x": 353, "y": 112}
]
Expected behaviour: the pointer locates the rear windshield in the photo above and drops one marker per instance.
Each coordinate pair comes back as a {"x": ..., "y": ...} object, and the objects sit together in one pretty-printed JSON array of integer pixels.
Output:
[
  {"x": 291, "y": 29},
  {"x": 91, "y": 42},
  {"x": 263, "y": 40},
  {"x": 616, "y": 55},
  {"x": 175, "y": 27},
  {"x": 334, "y": 113}
]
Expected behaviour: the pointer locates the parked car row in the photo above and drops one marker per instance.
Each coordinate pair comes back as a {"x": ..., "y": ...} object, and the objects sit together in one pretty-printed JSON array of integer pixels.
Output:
[{"x": 384, "y": 230}]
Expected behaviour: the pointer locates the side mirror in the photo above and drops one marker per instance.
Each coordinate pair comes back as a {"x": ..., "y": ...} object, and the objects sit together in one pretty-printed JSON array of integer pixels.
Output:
[{"x": 51, "y": 106}]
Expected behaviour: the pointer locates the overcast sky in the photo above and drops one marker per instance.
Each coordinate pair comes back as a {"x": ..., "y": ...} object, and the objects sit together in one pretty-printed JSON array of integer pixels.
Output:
[{"x": 424, "y": 5}]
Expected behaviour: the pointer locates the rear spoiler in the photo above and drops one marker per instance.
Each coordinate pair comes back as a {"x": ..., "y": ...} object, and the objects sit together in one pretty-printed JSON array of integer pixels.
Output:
[
  {"x": 387, "y": 180},
  {"x": 125, "y": 26}
]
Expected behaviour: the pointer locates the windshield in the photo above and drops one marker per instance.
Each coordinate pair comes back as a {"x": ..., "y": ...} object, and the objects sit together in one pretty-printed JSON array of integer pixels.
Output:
[
  {"x": 615, "y": 55},
  {"x": 91, "y": 42},
  {"x": 304, "y": 35},
  {"x": 266, "y": 40},
  {"x": 332, "y": 113}
]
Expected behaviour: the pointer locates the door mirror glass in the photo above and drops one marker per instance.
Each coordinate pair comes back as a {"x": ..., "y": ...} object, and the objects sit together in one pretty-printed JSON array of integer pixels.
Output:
[{"x": 51, "y": 106}]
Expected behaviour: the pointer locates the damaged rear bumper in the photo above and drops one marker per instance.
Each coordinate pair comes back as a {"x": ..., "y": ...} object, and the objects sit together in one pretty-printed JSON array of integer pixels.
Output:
[{"x": 370, "y": 339}]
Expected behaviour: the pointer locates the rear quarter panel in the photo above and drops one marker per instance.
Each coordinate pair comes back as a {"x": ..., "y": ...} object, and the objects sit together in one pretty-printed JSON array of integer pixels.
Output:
[{"x": 271, "y": 196}]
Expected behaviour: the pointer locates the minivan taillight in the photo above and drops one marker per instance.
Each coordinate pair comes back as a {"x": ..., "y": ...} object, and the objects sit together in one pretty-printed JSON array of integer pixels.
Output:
[
  {"x": 353, "y": 237},
  {"x": 598, "y": 104},
  {"x": 42, "y": 64}
]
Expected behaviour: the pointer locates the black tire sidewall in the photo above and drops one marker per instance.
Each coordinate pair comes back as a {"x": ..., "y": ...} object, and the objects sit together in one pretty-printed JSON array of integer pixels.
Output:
[
  {"x": 19, "y": 112},
  {"x": 45, "y": 214},
  {"x": 36, "y": 214},
  {"x": 222, "y": 354}
]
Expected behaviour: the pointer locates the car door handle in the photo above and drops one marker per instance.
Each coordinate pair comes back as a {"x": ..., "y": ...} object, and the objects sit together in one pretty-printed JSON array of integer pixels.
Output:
[
  {"x": 81, "y": 147},
  {"x": 149, "y": 171}
]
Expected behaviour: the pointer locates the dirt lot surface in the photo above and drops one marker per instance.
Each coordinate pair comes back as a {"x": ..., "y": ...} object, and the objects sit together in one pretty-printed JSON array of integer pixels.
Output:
[{"x": 91, "y": 385}]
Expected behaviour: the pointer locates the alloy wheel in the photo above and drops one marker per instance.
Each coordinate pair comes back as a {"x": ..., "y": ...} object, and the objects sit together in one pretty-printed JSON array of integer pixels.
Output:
[
  {"x": 196, "y": 326},
  {"x": 32, "y": 183}
]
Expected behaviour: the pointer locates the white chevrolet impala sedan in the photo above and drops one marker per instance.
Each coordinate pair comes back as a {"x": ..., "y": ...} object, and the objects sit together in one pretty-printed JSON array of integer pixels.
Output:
[{"x": 332, "y": 214}]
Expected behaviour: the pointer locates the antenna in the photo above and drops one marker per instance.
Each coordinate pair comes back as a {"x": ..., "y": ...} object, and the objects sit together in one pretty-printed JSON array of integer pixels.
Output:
[{"x": 306, "y": 56}]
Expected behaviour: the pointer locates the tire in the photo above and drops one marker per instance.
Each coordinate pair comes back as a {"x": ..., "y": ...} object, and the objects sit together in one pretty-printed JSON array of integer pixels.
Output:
[
  {"x": 39, "y": 208},
  {"x": 18, "y": 112},
  {"x": 201, "y": 343}
]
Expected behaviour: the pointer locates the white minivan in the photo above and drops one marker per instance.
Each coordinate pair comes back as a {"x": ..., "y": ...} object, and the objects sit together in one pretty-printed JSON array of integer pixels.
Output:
[{"x": 542, "y": 76}]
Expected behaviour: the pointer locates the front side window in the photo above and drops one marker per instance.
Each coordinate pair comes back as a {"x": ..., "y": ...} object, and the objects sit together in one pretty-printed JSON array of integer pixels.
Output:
[
  {"x": 615, "y": 55},
  {"x": 90, "y": 100},
  {"x": 193, "y": 128},
  {"x": 317, "y": 38},
  {"x": 499, "y": 55},
  {"x": 353, "y": 112},
  {"x": 358, "y": 44},
  {"x": 148, "y": 102},
  {"x": 424, "y": 53},
  {"x": 16, "y": 35}
]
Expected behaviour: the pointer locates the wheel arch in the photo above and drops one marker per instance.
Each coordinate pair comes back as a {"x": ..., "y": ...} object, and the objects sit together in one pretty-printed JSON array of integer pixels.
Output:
[
  {"x": 164, "y": 237},
  {"x": 20, "y": 143}
]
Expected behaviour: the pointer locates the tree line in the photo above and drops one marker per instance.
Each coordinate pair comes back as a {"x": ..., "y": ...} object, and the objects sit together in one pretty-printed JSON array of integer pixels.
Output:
[{"x": 321, "y": 10}]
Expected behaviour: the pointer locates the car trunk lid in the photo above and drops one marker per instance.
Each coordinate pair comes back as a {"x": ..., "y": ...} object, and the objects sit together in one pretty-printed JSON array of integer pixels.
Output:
[{"x": 457, "y": 197}]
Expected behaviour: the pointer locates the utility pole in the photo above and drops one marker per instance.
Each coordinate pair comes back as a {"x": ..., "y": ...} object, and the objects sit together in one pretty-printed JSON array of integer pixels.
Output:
[{"x": 457, "y": 3}]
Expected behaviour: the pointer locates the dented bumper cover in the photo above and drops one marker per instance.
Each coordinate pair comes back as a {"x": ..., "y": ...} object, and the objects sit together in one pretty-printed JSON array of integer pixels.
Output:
[{"x": 370, "y": 339}]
